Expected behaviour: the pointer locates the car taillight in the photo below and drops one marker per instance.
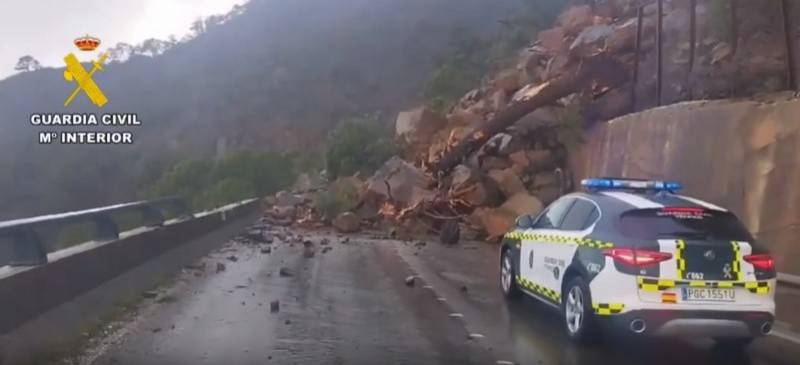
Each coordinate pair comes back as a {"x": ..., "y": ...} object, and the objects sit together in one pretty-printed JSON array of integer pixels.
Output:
[
  {"x": 636, "y": 257},
  {"x": 761, "y": 261}
]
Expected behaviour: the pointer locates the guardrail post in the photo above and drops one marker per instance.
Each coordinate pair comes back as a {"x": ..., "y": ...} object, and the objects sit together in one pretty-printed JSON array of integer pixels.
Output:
[
  {"x": 105, "y": 228},
  {"x": 791, "y": 82},
  {"x": 635, "y": 81},
  {"x": 27, "y": 247},
  {"x": 659, "y": 49}
]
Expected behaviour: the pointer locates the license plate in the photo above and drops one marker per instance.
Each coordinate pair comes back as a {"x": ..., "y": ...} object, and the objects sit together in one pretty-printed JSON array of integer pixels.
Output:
[{"x": 708, "y": 295}]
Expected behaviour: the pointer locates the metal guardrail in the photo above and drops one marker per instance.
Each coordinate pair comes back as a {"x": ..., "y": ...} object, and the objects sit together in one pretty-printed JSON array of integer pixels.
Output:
[
  {"x": 789, "y": 279},
  {"x": 32, "y": 238},
  {"x": 787, "y": 24}
]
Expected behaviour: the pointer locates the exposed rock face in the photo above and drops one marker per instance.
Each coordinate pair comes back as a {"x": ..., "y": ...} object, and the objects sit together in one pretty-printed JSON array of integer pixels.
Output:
[
  {"x": 747, "y": 162},
  {"x": 346, "y": 222}
]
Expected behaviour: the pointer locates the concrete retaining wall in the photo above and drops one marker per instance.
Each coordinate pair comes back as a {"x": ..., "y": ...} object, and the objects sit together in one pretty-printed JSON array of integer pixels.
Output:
[
  {"x": 29, "y": 294},
  {"x": 743, "y": 155}
]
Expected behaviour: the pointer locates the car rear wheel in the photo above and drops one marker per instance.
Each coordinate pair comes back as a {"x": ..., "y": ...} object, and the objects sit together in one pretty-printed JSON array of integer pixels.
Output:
[
  {"x": 507, "y": 281},
  {"x": 576, "y": 306}
]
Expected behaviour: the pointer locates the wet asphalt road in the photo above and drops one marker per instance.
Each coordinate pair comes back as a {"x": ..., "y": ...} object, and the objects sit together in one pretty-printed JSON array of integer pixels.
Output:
[{"x": 351, "y": 305}]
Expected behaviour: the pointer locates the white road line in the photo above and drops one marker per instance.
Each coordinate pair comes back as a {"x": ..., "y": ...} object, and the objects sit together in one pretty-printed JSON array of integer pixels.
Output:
[
  {"x": 456, "y": 315},
  {"x": 476, "y": 335},
  {"x": 441, "y": 299},
  {"x": 786, "y": 335}
]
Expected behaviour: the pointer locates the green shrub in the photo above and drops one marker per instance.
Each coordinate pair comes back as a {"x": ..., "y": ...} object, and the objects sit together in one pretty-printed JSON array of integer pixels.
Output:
[
  {"x": 224, "y": 192},
  {"x": 207, "y": 184},
  {"x": 339, "y": 198},
  {"x": 358, "y": 145}
]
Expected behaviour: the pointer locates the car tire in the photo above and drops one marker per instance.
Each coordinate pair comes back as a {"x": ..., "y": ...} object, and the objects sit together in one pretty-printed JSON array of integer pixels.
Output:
[
  {"x": 578, "y": 315},
  {"x": 508, "y": 282},
  {"x": 734, "y": 343}
]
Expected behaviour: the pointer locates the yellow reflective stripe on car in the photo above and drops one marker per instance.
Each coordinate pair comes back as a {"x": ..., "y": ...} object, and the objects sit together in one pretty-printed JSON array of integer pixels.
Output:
[
  {"x": 587, "y": 242},
  {"x": 547, "y": 293},
  {"x": 758, "y": 287},
  {"x": 680, "y": 261},
  {"x": 736, "y": 268},
  {"x": 605, "y": 309},
  {"x": 654, "y": 284}
]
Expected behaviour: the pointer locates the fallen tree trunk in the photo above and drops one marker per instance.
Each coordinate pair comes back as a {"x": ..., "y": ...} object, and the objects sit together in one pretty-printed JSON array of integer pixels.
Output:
[{"x": 547, "y": 93}]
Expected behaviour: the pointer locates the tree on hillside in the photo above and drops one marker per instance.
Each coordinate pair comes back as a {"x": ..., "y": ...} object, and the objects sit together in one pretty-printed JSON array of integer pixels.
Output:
[{"x": 27, "y": 63}]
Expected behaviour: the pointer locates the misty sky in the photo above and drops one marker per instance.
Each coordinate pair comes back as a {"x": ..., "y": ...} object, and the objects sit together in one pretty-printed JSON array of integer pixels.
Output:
[{"x": 45, "y": 29}]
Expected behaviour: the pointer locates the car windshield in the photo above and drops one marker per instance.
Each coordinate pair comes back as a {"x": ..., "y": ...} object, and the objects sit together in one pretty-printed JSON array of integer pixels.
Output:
[{"x": 692, "y": 223}]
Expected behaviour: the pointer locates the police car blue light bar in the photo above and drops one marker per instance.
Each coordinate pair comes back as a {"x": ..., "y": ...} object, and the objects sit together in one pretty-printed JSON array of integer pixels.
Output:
[{"x": 622, "y": 184}]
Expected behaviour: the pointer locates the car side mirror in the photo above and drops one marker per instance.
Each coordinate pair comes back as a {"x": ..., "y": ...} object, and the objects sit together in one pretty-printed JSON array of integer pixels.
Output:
[{"x": 524, "y": 221}]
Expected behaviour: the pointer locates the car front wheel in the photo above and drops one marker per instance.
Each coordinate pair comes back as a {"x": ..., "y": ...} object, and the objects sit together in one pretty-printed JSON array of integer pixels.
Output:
[{"x": 507, "y": 277}]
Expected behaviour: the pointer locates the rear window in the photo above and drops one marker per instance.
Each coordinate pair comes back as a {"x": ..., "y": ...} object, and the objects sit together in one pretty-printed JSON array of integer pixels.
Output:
[{"x": 692, "y": 223}]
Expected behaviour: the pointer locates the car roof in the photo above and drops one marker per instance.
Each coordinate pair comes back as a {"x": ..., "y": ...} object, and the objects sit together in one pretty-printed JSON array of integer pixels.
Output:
[{"x": 619, "y": 201}]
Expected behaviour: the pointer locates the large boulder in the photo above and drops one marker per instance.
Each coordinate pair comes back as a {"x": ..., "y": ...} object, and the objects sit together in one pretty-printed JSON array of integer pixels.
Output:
[
  {"x": 464, "y": 118},
  {"x": 540, "y": 159},
  {"x": 461, "y": 176},
  {"x": 522, "y": 203},
  {"x": 531, "y": 65},
  {"x": 507, "y": 181},
  {"x": 488, "y": 163},
  {"x": 507, "y": 80},
  {"x": 499, "y": 100},
  {"x": 590, "y": 41},
  {"x": 346, "y": 222},
  {"x": 418, "y": 125},
  {"x": 495, "y": 221},
  {"x": 499, "y": 145},
  {"x": 476, "y": 195},
  {"x": 553, "y": 40},
  {"x": 306, "y": 182},
  {"x": 575, "y": 18},
  {"x": 284, "y": 212},
  {"x": 545, "y": 178},
  {"x": 409, "y": 185},
  {"x": 520, "y": 160},
  {"x": 284, "y": 199}
]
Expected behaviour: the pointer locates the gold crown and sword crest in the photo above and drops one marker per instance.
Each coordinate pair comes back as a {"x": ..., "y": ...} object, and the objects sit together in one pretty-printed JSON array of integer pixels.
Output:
[{"x": 83, "y": 79}]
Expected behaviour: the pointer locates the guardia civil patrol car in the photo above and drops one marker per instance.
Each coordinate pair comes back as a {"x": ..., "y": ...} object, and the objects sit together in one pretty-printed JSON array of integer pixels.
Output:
[{"x": 634, "y": 256}]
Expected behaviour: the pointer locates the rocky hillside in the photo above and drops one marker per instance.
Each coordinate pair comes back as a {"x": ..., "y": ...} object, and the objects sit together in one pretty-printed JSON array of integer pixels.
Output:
[{"x": 503, "y": 149}]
